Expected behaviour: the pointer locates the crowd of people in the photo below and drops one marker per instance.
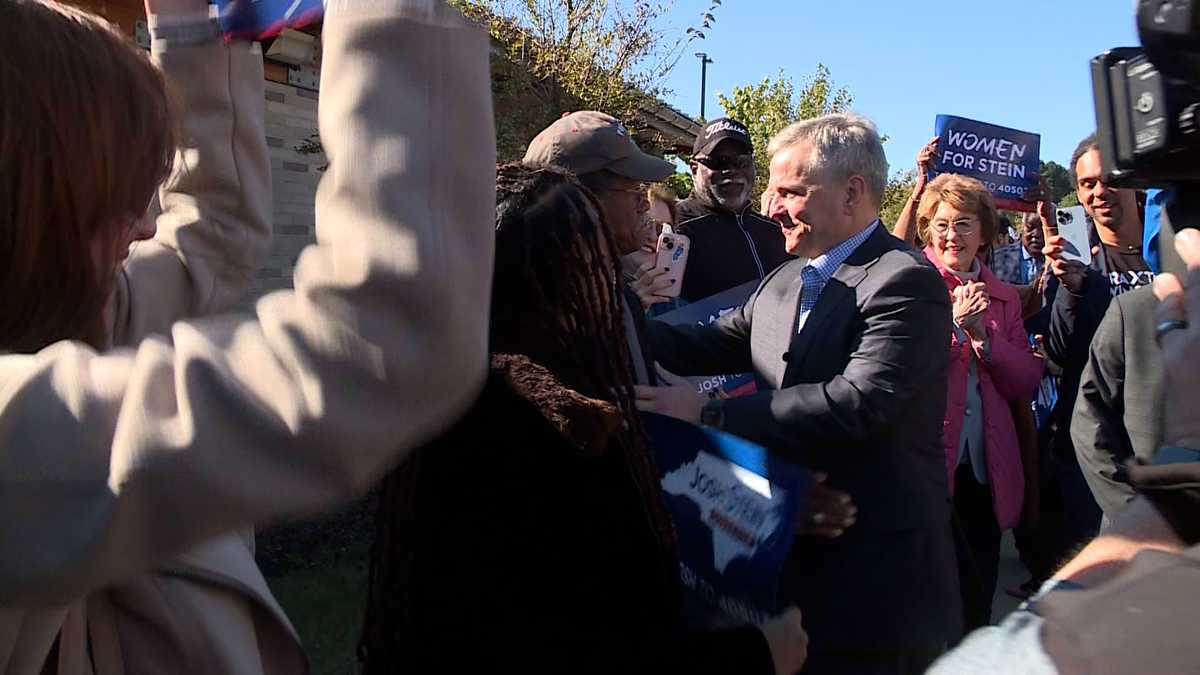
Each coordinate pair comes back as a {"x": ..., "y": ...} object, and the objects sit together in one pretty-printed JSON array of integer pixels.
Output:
[{"x": 479, "y": 343}]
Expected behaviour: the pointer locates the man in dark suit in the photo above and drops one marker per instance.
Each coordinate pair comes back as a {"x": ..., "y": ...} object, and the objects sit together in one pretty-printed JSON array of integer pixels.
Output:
[{"x": 849, "y": 345}]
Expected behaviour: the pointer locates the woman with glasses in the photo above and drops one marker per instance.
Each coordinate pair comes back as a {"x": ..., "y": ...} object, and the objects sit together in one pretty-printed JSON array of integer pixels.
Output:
[{"x": 991, "y": 365}]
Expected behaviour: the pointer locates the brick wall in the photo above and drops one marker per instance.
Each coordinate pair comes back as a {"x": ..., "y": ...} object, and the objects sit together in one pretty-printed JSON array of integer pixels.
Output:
[{"x": 291, "y": 117}]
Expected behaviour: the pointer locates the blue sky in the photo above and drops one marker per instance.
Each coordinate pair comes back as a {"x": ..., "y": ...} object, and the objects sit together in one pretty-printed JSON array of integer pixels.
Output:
[{"x": 1017, "y": 63}]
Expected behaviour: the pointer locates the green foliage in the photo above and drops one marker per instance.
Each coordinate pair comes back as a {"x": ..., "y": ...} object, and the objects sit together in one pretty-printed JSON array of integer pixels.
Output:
[
  {"x": 1071, "y": 199},
  {"x": 769, "y": 106},
  {"x": 895, "y": 196},
  {"x": 555, "y": 56},
  {"x": 1058, "y": 179},
  {"x": 680, "y": 183}
]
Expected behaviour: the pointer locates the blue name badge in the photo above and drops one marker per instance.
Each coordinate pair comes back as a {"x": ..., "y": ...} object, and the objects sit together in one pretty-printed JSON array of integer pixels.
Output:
[
  {"x": 1005, "y": 160},
  {"x": 734, "y": 506},
  {"x": 261, "y": 19},
  {"x": 704, "y": 312}
]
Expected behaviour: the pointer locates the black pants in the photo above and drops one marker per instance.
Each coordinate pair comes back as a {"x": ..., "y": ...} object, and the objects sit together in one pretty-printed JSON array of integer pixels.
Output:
[
  {"x": 978, "y": 547},
  {"x": 1070, "y": 517}
]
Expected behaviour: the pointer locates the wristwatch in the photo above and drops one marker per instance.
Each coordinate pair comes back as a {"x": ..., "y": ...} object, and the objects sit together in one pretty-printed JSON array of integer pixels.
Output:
[{"x": 713, "y": 413}]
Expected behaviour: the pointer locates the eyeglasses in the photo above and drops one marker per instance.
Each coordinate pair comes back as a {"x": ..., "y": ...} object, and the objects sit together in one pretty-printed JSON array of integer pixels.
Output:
[
  {"x": 725, "y": 163},
  {"x": 961, "y": 227}
]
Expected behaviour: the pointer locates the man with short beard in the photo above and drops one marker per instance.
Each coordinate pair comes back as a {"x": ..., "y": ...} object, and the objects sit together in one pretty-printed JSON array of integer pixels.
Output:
[{"x": 731, "y": 243}]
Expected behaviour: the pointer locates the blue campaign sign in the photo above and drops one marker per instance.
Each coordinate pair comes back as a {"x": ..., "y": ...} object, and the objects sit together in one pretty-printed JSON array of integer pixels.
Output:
[
  {"x": 1005, "y": 160},
  {"x": 735, "y": 507},
  {"x": 704, "y": 312},
  {"x": 259, "y": 19}
]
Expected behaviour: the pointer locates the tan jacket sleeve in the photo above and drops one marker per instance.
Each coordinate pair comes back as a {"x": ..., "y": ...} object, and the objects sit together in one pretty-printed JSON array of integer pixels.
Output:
[
  {"x": 109, "y": 463},
  {"x": 215, "y": 226}
]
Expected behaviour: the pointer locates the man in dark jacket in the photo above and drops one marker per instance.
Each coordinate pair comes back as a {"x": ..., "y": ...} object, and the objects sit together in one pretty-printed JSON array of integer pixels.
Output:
[
  {"x": 1117, "y": 416},
  {"x": 731, "y": 243},
  {"x": 1117, "y": 267}
]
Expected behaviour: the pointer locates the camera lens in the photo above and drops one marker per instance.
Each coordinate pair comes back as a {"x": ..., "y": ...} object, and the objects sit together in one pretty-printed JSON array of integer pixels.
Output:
[{"x": 670, "y": 244}]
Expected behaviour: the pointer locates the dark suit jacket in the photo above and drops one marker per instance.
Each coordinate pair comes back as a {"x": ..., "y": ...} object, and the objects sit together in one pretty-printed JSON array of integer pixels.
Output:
[
  {"x": 860, "y": 394},
  {"x": 1118, "y": 412}
]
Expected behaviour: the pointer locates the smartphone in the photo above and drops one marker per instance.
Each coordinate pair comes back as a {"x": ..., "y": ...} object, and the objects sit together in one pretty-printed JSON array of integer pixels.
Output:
[
  {"x": 672, "y": 255},
  {"x": 1072, "y": 225}
]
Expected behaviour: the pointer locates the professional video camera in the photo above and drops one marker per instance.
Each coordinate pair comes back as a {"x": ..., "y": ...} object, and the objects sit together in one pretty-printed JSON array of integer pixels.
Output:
[
  {"x": 1148, "y": 99},
  {"x": 1148, "y": 109}
]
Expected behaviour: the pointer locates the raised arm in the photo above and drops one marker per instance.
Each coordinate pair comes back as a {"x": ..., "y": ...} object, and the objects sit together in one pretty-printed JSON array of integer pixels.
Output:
[
  {"x": 215, "y": 227},
  {"x": 906, "y": 225},
  {"x": 720, "y": 347},
  {"x": 112, "y": 462}
]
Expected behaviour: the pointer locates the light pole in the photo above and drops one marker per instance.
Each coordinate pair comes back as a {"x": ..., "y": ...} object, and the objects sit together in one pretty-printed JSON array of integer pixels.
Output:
[{"x": 704, "y": 61}]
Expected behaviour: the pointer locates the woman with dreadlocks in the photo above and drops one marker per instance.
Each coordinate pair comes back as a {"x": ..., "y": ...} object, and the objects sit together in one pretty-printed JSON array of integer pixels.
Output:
[{"x": 533, "y": 537}]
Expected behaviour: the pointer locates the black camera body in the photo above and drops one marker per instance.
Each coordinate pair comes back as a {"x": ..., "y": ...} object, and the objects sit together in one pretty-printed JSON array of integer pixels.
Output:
[
  {"x": 1148, "y": 115},
  {"x": 1148, "y": 99}
]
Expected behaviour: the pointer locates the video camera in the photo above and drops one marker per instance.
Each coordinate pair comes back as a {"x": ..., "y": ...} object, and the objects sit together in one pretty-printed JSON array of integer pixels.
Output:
[
  {"x": 1148, "y": 108},
  {"x": 1148, "y": 99}
]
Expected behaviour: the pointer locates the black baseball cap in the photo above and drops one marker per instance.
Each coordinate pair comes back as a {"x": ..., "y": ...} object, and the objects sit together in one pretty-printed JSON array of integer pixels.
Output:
[{"x": 718, "y": 130}]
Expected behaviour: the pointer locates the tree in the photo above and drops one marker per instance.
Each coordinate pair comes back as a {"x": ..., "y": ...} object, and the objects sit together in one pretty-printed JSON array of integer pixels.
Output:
[
  {"x": 769, "y": 106},
  {"x": 1059, "y": 180},
  {"x": 555, "y": 56},
  {"x": 899, "y": 188}
]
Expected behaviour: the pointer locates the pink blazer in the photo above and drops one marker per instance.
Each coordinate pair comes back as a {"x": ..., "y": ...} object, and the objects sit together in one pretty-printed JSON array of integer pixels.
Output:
[{"x": 1010, "y": 373}]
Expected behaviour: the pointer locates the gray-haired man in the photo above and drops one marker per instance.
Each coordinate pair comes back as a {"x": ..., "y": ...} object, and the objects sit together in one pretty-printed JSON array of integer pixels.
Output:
[{"x": 849, "y": 348}]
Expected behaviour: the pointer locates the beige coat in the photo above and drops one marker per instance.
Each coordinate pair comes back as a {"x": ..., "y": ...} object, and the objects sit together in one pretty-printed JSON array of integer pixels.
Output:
[{"x": 113, "y": 465}]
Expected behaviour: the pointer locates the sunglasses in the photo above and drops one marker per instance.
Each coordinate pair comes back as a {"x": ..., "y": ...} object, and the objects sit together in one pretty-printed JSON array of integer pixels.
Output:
[{"x": 725, "y": 163}]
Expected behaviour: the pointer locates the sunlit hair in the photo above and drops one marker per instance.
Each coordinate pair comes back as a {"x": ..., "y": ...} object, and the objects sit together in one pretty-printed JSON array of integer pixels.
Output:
[
  {"x": 964, "y": 194},
  {"x": 556, "y": 299},
  {"x": 664, "y": 195},
  {"x": 86, "y": 134},
  {"x": 1085, "y": 146},
  {"x": 843, "y": 145}
]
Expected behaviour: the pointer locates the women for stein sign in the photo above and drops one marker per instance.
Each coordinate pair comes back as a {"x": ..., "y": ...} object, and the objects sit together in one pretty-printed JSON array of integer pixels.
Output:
[{"x": 1005, "y": 160}]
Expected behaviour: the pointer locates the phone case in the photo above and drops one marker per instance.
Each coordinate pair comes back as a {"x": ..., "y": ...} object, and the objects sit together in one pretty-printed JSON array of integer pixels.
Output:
[
  {"x": 1072, "y": 225},
  {"x": 672, "y": 255}
]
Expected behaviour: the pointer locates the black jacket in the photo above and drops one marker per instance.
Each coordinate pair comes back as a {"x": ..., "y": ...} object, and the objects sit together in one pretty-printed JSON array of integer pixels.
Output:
[
  {"x": 527, "y": 549},
  {"x": 1073, "y": 325},
  {"x": 728, "y": 249}
]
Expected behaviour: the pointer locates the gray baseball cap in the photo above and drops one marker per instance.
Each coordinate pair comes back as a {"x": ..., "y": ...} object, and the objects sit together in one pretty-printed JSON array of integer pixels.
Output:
[{"x": 588, "y": 141}]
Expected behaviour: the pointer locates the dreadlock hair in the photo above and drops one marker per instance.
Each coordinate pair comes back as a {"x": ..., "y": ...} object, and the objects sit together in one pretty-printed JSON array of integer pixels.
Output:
[{"x": 556, "y": 299}]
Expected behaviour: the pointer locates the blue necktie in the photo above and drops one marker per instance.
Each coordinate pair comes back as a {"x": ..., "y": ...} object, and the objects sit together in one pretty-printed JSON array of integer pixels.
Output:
[{"x": 810, "y": 292}]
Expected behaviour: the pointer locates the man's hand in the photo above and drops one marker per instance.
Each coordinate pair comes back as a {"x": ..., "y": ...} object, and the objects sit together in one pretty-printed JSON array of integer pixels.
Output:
[
  {"x": 649, "y": 283},
  {"x": 787, "y": 640},
  {"x": 681, "y": 402},
  {"x": 1071, "y": 273},
  {"x": 1179, "y": 306},
  {"x": 827, "y": 512}
]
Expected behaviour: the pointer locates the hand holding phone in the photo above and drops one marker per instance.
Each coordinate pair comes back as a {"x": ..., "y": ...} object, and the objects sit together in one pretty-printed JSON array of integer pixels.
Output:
[{"x": 671, "y": 257}]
